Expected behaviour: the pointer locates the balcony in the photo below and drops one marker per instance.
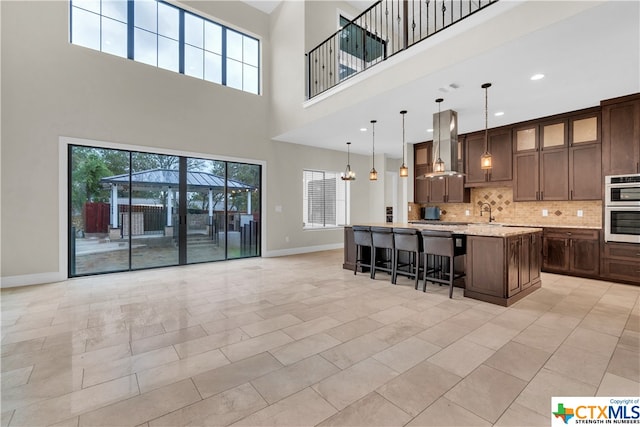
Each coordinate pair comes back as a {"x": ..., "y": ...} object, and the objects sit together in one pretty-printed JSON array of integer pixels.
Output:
[{"x": 383, "y": 30}]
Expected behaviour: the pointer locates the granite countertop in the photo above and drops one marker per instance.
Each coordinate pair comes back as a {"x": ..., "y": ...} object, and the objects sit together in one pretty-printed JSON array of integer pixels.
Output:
[
  {"x": 435, "y": 222},
  {"x": 486, "y": 230}
]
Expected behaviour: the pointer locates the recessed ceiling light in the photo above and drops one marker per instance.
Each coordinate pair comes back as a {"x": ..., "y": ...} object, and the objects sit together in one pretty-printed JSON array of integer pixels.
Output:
[
  {"x": 429, "y": 130},
  {"x": 499, "y": 113},
  {"x": 537, "y": 77},
  {"x": 363, "y": 129}
]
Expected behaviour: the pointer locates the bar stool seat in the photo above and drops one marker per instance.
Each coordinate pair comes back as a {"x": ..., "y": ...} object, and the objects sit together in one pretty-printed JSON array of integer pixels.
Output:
[
  {"x": 362, "y": 239},
  {"x": 382, "y": 238},
  {"x": 408, "y": 240},
  {"x": 438, "y": 257}
]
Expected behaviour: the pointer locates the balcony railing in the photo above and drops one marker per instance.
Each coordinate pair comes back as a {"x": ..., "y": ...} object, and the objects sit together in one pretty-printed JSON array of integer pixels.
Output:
[{"x": 386, "y": 28}]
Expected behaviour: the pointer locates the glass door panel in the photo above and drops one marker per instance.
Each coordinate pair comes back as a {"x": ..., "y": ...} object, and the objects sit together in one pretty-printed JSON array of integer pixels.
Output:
[
  {"x": 243, "y": 210},
  {"x": 205, "y": 210},
  {"x": 96, "y": 244},
  {"x": 153, "y": 225}
]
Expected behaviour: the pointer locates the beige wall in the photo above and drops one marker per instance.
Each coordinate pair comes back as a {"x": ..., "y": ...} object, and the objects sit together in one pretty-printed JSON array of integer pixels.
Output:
[{"x": 52, "y": 89}]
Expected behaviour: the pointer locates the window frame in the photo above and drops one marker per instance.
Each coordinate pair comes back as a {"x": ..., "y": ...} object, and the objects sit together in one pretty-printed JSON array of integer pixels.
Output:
[
  {"x": 254, "y": 87},
  {"x": 345, "y": 201}
]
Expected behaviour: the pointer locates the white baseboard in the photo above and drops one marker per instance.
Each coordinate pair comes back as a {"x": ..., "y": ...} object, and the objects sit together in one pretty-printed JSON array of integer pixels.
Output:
[
  {"x": 31, "y": 279},
  {"x": 302, "y": 250}
]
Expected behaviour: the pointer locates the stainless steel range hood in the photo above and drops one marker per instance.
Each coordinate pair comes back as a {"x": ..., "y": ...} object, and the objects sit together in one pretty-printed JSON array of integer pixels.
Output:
[{"x": 445, "y": 130}]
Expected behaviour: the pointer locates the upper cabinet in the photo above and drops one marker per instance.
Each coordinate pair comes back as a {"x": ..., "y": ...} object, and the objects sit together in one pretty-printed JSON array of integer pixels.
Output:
[
  {"x": 500, "y": 147},
  {"x": 446, "y": 189},
  {"x": 621, "y": 135},
  {"x": 558, "y": 159}
]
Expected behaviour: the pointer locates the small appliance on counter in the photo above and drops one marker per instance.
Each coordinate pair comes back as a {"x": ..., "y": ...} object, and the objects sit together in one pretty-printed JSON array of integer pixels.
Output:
[{"x": 432, "y": 213}]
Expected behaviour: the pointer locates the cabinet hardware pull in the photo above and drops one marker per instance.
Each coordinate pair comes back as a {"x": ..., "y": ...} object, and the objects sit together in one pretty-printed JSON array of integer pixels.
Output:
[
  {"x": 571, "y": 195},
  {"x": 542, "y": 195}
]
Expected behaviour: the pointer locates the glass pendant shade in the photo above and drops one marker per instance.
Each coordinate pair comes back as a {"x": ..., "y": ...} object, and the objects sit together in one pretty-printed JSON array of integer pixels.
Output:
[
  {"x": 348, "y": 174},
  {"x": 485, "y": 159},
  {"x": 373, "y": 173},
  {"x": 404, "y": 170}
]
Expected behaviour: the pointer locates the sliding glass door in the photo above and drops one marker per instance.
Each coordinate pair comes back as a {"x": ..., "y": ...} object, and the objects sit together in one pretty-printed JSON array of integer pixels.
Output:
[{"x": 133, "y": 210}]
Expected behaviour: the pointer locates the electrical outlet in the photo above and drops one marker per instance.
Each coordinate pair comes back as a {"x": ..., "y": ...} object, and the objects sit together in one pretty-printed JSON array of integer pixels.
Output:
[
  {"x": 286, "y": 239},
  {"x": 409, "y": 208},
  {"x": 278, "y": 208},
  {"x": 545, "y": 212},
  {"x": 467, "y": 212},
  {"x": 580, "y": 213}
]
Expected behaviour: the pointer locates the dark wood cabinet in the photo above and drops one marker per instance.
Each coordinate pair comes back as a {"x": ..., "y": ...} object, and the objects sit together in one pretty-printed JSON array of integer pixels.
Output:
[
  {"x": 446, "y": 189},
  {"x": 621, "y": 262},
  {"x": 585, "y": 172},
  {"x": 421, "y": 186},
  {"x": 558, "y": 159},
  {"x": 621, "y": 135},
  {"x": 554, "y": 175},
  {"x": 503, "y": 270},
  {"x": 571, "y": 251},
  {"x": 500, "y": 147}
]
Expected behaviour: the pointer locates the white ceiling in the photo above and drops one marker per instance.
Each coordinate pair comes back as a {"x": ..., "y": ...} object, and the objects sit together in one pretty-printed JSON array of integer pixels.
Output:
[{"x": 589, "y": 56}]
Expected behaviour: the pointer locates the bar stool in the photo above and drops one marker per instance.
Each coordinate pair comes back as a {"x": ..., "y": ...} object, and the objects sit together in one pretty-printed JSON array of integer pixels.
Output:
[
  {"x": 439, "y": 245},
  {"x": 407, "y": 239},
  {"x": 382, "y": 238},
  {"x": 362, "y": 239}
]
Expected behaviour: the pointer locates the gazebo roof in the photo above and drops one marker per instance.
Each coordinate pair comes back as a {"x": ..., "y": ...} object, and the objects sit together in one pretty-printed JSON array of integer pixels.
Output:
[{"x": 161, "y": 178}]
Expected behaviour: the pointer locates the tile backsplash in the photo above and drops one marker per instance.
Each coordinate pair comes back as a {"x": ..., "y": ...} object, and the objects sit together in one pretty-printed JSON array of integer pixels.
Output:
[{"x": 505, "y": 210}]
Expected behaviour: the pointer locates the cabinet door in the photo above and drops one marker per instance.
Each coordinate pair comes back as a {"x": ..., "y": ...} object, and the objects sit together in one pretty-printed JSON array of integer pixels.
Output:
[
  {"x": 556, "y": 254},
  {"x": 501, "y": 150},
  {"x": 526, "y": 179},
  {"x": 535, "y": 257},
  {"x": 585, "y": 256},
  {"x": 525, "y": 260},
  {"x": 456, "y": 193},
  {"x": 474, "y": 147},
  {"x": 437, "y": 189},
  {"x": 554, "y": 175},
  {"x": 421, "y": 186},
  {"x": 585, "y": 173},
  {"x": 513, "y": 265},
  {"x": 621, "y": 138},
  {"x": 486, "y": 265},
  {"x": 422, "y": 153}
]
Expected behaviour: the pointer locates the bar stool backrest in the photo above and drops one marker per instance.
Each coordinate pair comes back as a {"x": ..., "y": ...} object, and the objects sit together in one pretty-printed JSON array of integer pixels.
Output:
[
  {"x": 438, "y": 243},
  {"x": 382, "y": 237},
  {"x": 406, "y": 239},
  {"x": 362, "y": 235}
]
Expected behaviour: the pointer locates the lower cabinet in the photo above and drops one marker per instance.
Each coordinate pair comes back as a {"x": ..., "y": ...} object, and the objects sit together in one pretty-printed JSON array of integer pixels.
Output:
[
  {"x": 503, "y": 270},
  {"x": 572, "y": 251},
  {"x": 621, "y": 262}
]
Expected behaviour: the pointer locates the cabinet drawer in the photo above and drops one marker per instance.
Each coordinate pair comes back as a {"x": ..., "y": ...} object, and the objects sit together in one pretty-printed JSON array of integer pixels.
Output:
[
  {"x": 622, "y": 251},
  {"x": 573, "y": 233}
]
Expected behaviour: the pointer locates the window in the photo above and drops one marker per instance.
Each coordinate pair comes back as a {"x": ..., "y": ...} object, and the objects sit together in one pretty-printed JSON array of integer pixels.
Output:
[
  {"x": 325, "y": 199},
  {"x": 166, "y": 36}
]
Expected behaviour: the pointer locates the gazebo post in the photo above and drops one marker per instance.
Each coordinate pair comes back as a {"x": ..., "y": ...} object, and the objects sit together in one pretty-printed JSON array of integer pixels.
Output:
[
  {"x": 168, "y": 230},
  {"x": 248, "y": 202},
  {"x": 114, "y": 231},
  {"x": 210, "y": 225}
]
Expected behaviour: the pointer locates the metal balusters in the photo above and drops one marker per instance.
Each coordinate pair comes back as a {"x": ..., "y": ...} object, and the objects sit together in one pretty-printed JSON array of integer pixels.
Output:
[{"x": 386, "y": 28}]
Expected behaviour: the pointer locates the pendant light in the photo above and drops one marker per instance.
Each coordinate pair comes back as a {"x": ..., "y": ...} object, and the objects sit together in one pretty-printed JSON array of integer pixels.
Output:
[
  {"x": 438, "y": 165},
  {"x": 373, "y": 173},
  {"x": 348, "y": 174},
  {"x": 485, "y": 159},
  {"x": 404, "y": 170}
]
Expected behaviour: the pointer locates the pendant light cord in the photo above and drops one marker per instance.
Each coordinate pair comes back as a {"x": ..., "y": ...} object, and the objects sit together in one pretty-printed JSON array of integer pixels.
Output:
[{"x": 486, "y": 119}]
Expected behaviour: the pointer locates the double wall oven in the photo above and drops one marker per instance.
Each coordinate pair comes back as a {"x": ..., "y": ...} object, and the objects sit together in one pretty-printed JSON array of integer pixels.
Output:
[{"x": 622, "y": 208}]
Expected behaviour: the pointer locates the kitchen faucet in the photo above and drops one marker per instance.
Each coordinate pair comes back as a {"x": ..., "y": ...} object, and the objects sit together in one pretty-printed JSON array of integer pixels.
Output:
[{"x": 481, "y": 209}]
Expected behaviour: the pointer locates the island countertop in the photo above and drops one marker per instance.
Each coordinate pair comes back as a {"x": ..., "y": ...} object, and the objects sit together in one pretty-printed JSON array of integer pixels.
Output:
[{"x": 475, "y": 229}]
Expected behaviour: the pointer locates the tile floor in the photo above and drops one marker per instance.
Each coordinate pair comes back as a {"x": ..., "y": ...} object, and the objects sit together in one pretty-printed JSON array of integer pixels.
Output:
[{"x": 299, "y": 341}]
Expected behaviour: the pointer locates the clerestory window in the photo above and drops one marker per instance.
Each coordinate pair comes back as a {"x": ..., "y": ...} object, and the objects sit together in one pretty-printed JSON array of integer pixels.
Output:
[{"x": 166, "y": 36}]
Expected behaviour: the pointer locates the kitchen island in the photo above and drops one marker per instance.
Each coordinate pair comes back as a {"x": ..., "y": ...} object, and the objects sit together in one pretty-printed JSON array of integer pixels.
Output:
[{"x": 502, "y": 263}]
